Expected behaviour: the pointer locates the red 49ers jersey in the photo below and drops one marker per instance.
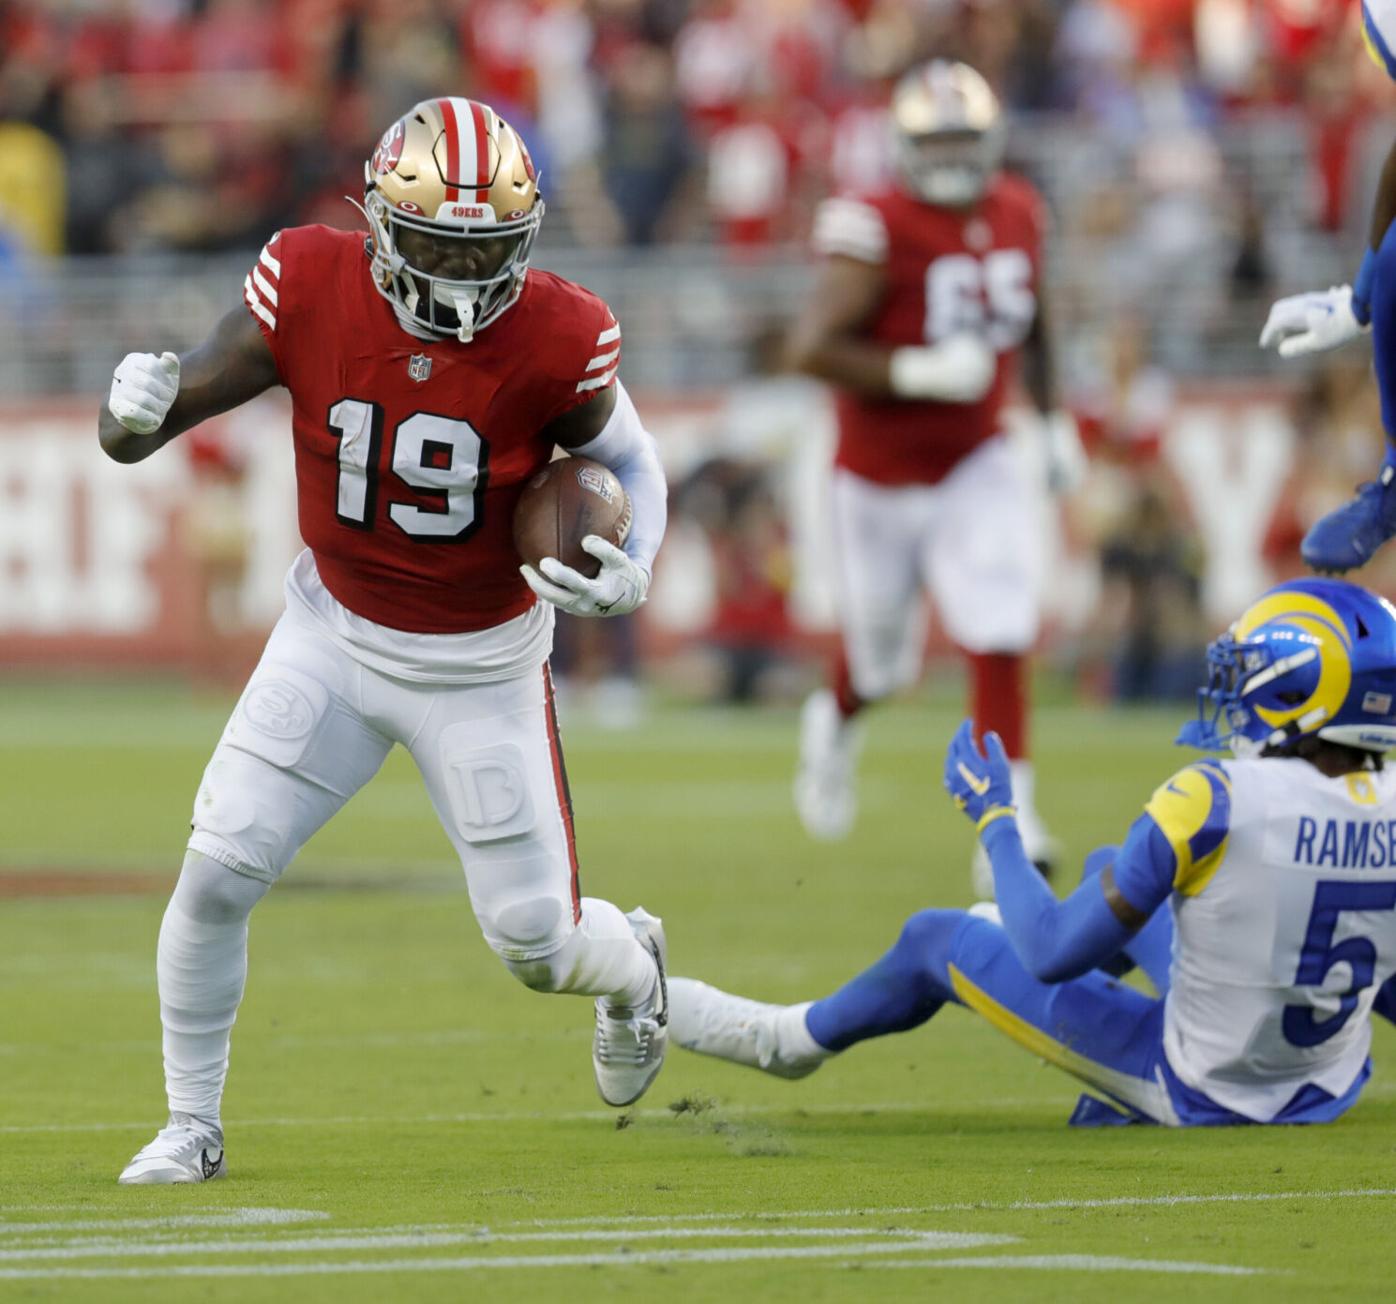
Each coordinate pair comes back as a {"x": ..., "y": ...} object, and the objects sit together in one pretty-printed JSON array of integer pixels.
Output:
[
  {"x": 947, "y": 271},
  {"x": 411, "y": 454}
]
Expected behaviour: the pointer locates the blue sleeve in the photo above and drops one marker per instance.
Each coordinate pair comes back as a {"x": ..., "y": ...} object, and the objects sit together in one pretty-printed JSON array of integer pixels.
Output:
[
  {"x": 1381, "y": 284},
  {"x": 1175, "y": 846},
  {"x": 1146, "y": 866},
  {"x": 1055, "y": 940}
]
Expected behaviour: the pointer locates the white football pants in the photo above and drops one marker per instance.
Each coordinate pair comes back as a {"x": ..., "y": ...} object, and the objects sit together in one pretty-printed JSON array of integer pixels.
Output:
[
  {"x": 312, "y": 727},
  {"x": 973, "y": 542}
]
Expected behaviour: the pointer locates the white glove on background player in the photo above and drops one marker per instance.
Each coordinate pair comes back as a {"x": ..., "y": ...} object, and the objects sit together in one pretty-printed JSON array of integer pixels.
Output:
[
  {"x": 1311, "y": 323},
  {"x": 617, "y": 590},
  {"x": 1063, "y": 455},
  {"x": 960, "y": 369},
  {"x": 142, "y": 389}
]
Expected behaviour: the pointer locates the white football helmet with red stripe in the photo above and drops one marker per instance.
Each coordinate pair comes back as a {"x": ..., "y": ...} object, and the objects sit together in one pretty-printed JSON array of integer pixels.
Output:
[
  {"x": 948, "y": 133},
  {"x": 453, "y": 207}
]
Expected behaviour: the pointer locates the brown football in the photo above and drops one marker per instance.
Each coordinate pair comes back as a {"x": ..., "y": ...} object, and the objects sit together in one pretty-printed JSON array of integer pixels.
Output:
[{"x": 567, "y": 500}]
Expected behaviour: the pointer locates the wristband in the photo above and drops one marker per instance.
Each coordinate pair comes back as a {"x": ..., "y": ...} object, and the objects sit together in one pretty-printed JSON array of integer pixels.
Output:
[{"x": 994, "y": 813}]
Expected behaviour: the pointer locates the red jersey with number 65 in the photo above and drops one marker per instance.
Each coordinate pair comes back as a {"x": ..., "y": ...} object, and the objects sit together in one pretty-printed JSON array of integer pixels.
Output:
[
  {"x": 411, "y": 454},
  {"x": 946, "y": 271}
]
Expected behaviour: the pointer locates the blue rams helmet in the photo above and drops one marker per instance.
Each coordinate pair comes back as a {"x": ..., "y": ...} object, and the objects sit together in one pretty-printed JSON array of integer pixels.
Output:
[{"x": 1311, "y": 656}]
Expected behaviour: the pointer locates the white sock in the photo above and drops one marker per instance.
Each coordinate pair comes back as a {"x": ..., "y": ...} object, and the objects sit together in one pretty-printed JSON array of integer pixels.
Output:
[
  {"x": 601, "y": 958},
  {"x": 794, "y": 1043},
  {"x": 201, "y": 964},
  {"x": 1024, "y": 788}
]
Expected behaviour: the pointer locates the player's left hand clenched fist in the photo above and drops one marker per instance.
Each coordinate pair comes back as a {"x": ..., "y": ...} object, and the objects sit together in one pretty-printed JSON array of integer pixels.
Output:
[
  {"x": 142, "y": 389},
  {"x": 979, "y": 782},
  {"x": 617, "y": 590}
]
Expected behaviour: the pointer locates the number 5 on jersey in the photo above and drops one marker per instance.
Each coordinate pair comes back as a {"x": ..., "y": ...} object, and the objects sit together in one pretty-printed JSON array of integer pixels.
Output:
[
  {"x": 437, "y": 456},
  {"x": 1332, "y": 897}
]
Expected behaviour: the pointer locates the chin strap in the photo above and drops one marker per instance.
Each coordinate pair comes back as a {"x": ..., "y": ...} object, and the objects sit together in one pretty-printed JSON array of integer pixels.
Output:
[{"x": 465, "y": 314}]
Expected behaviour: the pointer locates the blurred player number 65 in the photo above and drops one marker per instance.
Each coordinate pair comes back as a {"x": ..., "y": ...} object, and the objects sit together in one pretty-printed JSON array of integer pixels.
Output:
[{"x": 567, "y": 500}]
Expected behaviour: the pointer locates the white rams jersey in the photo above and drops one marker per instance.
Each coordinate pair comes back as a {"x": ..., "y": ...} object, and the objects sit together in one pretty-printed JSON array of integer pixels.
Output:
[
  {"x": 1379, "y": 32},
  {"x": 1284, "y": 908}
]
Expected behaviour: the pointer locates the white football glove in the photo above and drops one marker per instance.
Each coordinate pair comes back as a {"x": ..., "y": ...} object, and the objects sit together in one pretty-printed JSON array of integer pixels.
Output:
[
  {"x": 617, "y": 590},
  {"x": 1065, "y": 458},
  {"x": 142, "y": 389},
  {"x": 960, "y": 369},
  {"x": 1311, "y": 323}
]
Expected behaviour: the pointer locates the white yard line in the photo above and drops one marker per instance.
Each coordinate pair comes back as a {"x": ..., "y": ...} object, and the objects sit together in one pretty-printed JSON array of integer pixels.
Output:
[
  {"x": 976, "y": 1206},
  {"x": 1077, "y": 1263},
  {"x": 249, "y": 1217},
  {"x": 847, "y": 1251},
  {"x": 417, "y": 1238}
]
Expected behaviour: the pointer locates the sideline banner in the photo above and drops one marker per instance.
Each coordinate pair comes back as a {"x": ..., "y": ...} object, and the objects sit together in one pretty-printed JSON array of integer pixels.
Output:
[{"x": 162, "y": 563}]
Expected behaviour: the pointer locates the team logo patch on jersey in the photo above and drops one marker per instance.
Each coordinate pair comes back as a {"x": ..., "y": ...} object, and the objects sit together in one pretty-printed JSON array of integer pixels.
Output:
[
  {"x": 595, "y": 482},
  {"x": 419, "y": 366}
]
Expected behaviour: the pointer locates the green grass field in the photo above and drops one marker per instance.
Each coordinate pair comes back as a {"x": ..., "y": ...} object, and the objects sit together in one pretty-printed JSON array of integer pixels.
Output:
[{"x": 405, "y": 1122}]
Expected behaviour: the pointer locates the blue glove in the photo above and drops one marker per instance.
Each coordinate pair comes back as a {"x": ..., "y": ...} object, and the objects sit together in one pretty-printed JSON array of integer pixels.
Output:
[{"x": 981, "y": 784}]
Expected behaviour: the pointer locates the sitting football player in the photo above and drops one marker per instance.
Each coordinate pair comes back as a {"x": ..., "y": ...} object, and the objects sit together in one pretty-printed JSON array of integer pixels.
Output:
[
  {"x": 1277, "y": 868},
  {"x": 929, "y": 293},
  {"x": 432, "y": 373},
  {"x": 1301, "y": 324}
]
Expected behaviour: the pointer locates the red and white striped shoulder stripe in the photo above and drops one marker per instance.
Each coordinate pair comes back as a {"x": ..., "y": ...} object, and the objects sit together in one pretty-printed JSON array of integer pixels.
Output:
[
  {"x": 260, "y": 287},
  {"x": 601, "y": 370}
]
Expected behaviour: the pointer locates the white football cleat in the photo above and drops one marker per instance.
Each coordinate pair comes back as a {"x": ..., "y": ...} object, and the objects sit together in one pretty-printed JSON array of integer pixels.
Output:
[
  {"x": 627, "y": 1050},
  {"x": 185, "y": 1150},
  {"x": 829, "y": 745},
  {"x": 733, "y": 1028}
]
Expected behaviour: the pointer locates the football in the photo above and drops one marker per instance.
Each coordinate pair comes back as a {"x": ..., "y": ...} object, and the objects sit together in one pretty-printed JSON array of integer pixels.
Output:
[{"x": 567, "y": 500}]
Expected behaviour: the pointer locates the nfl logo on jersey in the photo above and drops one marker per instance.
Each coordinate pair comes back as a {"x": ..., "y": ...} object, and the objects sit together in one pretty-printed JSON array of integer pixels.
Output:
[{"x": 419, "y": 366}]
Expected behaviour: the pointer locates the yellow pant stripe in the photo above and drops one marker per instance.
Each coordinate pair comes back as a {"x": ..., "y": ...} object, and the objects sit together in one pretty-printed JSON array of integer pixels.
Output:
[{"x": 1148, "y": 1097}]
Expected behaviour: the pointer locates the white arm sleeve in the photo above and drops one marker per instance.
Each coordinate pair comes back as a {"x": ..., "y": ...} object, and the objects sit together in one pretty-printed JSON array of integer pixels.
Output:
[{"x": 629, "y": 450}]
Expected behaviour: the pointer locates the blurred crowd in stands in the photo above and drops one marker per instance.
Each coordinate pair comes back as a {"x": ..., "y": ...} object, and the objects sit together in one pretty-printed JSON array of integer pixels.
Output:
[
  {"x": 1199, "y": 156},
  {"x": 202, "y": 124}
]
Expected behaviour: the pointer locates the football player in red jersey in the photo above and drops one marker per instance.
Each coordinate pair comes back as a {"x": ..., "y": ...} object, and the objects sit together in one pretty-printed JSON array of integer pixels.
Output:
[
  {"x": 432, "y": 372},
  {"x": 928, "y": 291}
]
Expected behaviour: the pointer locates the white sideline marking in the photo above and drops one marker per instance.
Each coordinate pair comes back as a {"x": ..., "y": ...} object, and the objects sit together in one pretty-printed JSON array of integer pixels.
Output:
[
  {"x": 972, "y": 1206},
  {"x": 108, "y": 1247},
  {"x": 1078, "y": 1263},
  {"x": 853, "y": 1250},
  {"x": 250, "y": 1217}
]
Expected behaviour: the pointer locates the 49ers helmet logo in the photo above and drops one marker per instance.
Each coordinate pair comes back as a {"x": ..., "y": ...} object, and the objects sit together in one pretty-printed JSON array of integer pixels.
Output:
[
  {"x": 389, "y": 149},
  {"x": 527, "y": 160}
]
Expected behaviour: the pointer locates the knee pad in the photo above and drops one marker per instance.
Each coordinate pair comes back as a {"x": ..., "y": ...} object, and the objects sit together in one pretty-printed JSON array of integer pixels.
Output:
[
  {"x": 230, "y": 823},
  {"x": 523, "y": 927},
  {"x": 529, "y": 920}
]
